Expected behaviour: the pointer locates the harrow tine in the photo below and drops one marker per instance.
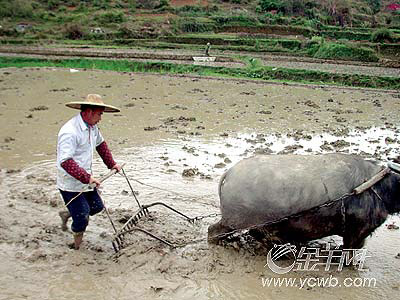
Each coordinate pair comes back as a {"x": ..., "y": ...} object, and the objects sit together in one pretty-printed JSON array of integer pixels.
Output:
[
  {"x": 127, "y": 227},
  {"x": 130, "y": 226},
  {"x": 133, "y": 220},
  {"x": 115, "y": 246},
  {"x": 116, "y": 249},
  {"x": 119, "y": 241}
]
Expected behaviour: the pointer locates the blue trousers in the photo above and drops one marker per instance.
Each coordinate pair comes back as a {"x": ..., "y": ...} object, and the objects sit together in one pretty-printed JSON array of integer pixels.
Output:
[{"x": 87, "y": 204}]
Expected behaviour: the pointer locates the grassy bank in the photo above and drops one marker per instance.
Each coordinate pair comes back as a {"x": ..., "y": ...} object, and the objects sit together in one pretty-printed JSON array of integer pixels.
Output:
[
  {"x": 341, "y": 50},
  {"x": 252, "y": 72}
]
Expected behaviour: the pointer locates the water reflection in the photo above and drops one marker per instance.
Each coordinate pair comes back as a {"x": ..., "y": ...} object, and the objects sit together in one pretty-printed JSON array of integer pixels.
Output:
[{"x": 213, "y": 156}]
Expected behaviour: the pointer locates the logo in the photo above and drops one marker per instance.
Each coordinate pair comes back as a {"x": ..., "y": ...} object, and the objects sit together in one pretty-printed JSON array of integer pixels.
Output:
[
  {"x": 313, "y": 258},
  {"x": 277, "y": 252}
]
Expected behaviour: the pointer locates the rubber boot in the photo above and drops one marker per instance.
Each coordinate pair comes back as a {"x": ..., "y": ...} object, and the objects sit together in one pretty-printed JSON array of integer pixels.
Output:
[{"x": 64, "y": 215}]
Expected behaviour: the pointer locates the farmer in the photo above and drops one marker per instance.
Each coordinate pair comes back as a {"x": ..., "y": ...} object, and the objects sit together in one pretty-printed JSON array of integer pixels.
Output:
[
  {"x": 77, "y": 140},
  {"x": 208, "y": 49}
]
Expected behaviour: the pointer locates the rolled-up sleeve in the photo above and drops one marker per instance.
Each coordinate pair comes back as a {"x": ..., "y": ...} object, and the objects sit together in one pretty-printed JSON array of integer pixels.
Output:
[
  {"x": 99, "y": 138},
  {"x": 66, "y": 147}
]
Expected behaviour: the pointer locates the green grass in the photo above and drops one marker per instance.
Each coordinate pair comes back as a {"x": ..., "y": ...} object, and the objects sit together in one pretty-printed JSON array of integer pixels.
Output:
[
  {"x": 50, "y": 17},
  {"x": 345, "y": 52},
  {"x": 209, "y": 35},
  {"x": 252, "y": 72}
]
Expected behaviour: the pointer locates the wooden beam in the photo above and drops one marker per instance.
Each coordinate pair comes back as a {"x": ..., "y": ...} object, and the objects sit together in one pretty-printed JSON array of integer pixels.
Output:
[{"x": 367, "y": 184}]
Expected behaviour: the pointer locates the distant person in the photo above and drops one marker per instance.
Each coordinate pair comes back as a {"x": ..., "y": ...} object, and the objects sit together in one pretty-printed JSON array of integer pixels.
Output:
[
  {"x": 208, "y": 49},
  {"x": 77, "y": 140}
]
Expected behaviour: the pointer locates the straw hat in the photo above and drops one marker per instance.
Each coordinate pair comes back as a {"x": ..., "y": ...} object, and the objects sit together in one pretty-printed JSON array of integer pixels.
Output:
[{"x": 93, "y": 100}]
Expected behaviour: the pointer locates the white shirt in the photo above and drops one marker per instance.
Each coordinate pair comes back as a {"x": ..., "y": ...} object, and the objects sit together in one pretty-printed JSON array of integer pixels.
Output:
[{"x": 76, "y": 140}]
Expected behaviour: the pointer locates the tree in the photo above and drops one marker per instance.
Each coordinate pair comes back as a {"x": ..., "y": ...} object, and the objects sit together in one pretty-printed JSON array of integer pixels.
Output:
[
  {"x": 339, "y": 10},
  {"x": 297, "y": 7},
  {"x": 375, "y": 7},
  {"x": 268, "y": 5},
  {"x": 17, "y": 8},
  {"x": 152, "y": 4}
]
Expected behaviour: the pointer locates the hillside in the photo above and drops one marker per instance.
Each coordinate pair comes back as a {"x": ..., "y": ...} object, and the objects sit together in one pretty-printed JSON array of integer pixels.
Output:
[
  {"x": 241, "y": 32},
  {"x": 152, "y": 18}
]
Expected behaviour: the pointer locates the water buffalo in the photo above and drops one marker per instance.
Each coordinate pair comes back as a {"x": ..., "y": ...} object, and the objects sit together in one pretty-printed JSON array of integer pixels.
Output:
[{"x": 298, "y": 198}]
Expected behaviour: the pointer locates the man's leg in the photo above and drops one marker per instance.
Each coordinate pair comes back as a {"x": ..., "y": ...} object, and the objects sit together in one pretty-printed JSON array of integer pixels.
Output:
[
  {"x": 78, "y": 237},
  {"x": 95, "y": 203},
  {"x": 79, "y": 210},
  {"x": 64, "y": 215}
]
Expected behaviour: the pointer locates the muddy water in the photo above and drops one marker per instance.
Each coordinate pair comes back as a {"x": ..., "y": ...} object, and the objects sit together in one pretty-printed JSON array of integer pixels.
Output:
[{"x": 172, "y": 126}]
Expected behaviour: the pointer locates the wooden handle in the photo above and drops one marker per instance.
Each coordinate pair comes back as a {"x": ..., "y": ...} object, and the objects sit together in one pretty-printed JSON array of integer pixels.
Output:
[
  {"x": 108, "y": 175},
  {"x": 105, "y": 177}
]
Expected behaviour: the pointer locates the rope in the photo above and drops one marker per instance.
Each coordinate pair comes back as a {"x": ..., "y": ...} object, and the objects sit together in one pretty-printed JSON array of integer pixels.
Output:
[
  {"x": 130, "y": 186},
  {"x": 149, "y": 185},
  {"x": 375, "y": 192},
  {"x": 199, "y": 218},
  {"x": 159, "y": 188},
  {"x": 343, "y": 212},
  {"x": 169, "y": 191},
  {"x": 258, "y": 226}
]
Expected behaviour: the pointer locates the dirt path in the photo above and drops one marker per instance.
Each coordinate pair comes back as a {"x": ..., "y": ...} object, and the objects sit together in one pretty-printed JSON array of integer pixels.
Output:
[
  {"x": 332, "y": 67},
  {"x": 178, "y": 135}
]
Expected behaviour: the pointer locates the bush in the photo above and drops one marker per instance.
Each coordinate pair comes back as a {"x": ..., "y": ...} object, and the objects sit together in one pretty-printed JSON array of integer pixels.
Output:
[
  {"x": 101, "y": 4},
  {"x": 314, "y": 44},
  {"x": 163, "y": 4},
  {"x": 62, "y": 9},
  {"x": 110, "y": 17},
  {"x": 238, "y": 20},
  {"x": 317, "y": 40},
  {"x": 253, "y": 63},
  {"x": 152, "y": 4},
  {"x": 17, "y": 8},
  {"x": 127, "y": 31},
  {"x": 193, "y": 25},
  {"x": 382, "y": 35},
  {"x": 74, "y": 32},
  {"x": 268, "y": 5},
  {"x": 290, "y": 44},
  {"x": 195, "y": 11},
  {"x": 345, "y": 52},
  {"x": 10, "y": 32},
  {"x": 41, "y": 36},
  {"x": 52, "y": 4}
]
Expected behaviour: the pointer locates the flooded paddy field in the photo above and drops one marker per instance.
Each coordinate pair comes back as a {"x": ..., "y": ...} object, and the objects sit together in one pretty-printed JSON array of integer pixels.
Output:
[{"x": 177, "y": 135}]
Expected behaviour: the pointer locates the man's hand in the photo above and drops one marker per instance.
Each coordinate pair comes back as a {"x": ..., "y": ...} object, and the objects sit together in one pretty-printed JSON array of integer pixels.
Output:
[
  {"x": 94, "y": 181},
  {"x": 116, "y": 167}
]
